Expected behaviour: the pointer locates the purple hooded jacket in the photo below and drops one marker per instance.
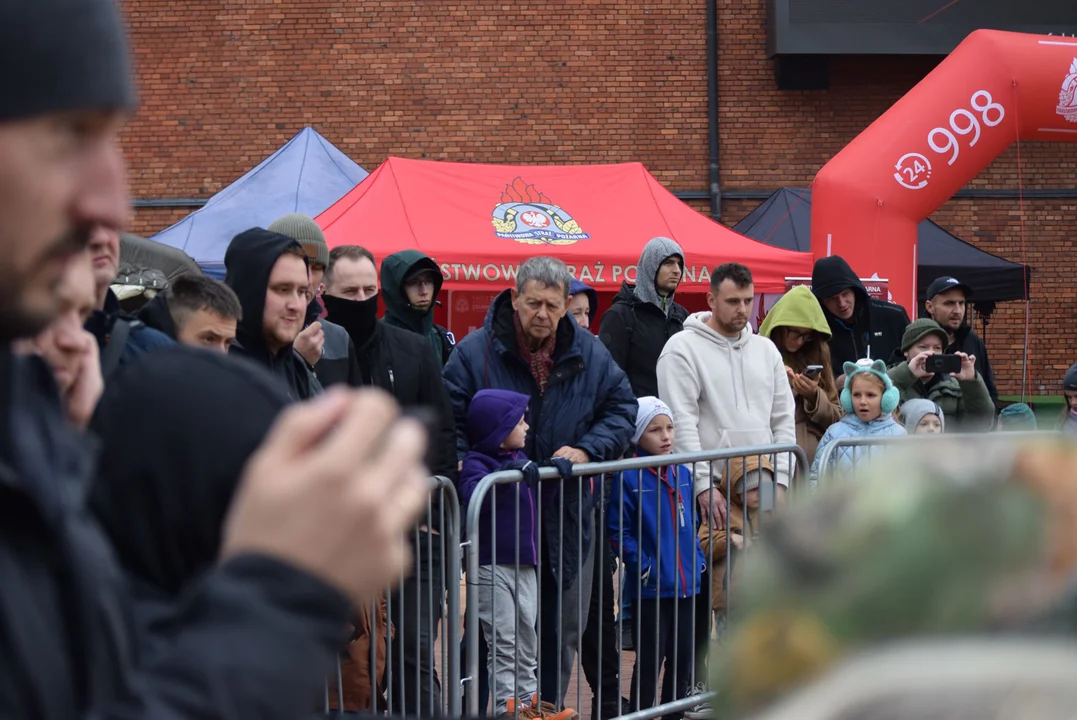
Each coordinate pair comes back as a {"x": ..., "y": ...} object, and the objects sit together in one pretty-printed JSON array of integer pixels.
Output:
[{"x": 492, "y": 416}]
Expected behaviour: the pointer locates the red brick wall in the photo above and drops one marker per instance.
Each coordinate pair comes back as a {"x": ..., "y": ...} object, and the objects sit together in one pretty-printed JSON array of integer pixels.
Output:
[{"x": 226, "y": 82}]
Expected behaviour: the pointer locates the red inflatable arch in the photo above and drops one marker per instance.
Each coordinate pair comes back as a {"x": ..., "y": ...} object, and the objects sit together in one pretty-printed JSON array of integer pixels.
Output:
[{"x": 994, "y": 89}]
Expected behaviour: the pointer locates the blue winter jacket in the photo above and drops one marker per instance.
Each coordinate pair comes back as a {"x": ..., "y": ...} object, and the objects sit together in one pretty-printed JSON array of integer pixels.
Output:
[
  {"x": 664, "y": 560},
  {"x": 491, "y": 418},
  {"x": 852, "y": 426},
  {"x": 588, "y": 404}
]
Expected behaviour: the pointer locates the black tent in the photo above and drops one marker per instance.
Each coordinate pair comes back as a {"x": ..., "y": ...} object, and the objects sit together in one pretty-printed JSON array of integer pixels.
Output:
[{"x": 784, "y": 220}]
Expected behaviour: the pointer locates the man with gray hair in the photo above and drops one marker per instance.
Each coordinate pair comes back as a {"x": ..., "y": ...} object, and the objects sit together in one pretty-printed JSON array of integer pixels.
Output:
[
  {"x": 644, "y": 316},
  {"x": 582, "y": 409}
]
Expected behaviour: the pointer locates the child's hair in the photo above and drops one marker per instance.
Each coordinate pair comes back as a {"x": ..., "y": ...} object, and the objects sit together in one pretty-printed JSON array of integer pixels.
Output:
[{"x": 866, "y": 376}]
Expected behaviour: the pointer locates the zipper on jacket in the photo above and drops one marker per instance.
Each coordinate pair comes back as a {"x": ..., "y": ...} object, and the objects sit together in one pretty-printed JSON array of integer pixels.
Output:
[
  {"x": 392, "y": 383},
  {"x": 674, "y": 499}
]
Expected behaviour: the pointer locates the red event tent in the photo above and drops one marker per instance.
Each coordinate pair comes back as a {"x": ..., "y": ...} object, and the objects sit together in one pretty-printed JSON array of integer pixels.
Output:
[{"x": 479, "y": 222}]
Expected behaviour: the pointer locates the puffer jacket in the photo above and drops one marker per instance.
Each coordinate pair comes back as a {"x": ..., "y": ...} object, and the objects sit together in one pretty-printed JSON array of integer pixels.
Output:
[
  {"x": 852, "y": 426},
  {"x": 798, "y": 308},
  {"x": 588, "y": 404},
  {"x": 966, "y": 403},
  {"x": 652, "y": 527}
]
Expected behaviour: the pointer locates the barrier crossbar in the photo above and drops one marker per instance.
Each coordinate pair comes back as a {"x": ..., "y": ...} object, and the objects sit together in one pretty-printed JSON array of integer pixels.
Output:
[{"x": 680, "y": 641}]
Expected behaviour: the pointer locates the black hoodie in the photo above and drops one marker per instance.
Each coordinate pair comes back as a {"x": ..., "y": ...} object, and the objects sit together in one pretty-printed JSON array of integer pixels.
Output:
[
  {"x": 876, "y": 324},
  {"x": 155, "y": 314},
  {"x": 248, "y": 264}
]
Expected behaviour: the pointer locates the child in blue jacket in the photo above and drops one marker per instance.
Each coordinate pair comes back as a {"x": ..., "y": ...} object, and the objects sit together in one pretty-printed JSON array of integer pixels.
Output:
[
  {"x": 869, "y": 400},
  {"x": 652, "y": 526},
  {"x": 508, "y": 552}
]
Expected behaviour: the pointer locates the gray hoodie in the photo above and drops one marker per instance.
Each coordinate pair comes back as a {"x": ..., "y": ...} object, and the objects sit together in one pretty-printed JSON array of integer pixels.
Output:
[{"x": 654, "y": 254}]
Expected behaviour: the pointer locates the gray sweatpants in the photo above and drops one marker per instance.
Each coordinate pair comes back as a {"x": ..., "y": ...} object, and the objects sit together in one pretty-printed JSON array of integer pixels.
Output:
[{"x": 508, "y": 610}]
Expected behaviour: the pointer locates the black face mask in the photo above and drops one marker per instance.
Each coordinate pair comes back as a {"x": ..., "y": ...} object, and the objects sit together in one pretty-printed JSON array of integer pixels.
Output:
[{"x": 358, "y": 317}]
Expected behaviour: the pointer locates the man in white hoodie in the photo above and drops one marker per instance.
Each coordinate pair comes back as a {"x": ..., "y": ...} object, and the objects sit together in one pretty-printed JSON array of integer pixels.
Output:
[{"x": 726, "y": 386}]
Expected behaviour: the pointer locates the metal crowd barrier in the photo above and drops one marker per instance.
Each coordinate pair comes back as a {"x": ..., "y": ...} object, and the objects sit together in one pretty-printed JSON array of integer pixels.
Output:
[
  {"x": 403, "y": 657},
  {"x": 574, "y": 624},
  {"x": 845, "y": 455}
]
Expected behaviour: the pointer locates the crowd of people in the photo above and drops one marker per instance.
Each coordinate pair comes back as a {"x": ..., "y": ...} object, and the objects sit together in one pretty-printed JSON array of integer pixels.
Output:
[{"x": 198, "y": 504}]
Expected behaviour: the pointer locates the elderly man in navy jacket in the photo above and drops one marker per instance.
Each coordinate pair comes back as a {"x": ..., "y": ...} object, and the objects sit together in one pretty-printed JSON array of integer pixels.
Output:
[{"x": 582, "y": 409}]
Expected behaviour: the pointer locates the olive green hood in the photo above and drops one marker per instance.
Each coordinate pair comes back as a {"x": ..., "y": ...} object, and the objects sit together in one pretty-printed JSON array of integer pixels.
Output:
[{"x": 797, "y": 308}]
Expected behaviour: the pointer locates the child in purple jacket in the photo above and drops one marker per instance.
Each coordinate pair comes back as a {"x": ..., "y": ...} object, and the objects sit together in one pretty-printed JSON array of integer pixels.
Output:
[{"x": 508, "y": 553}]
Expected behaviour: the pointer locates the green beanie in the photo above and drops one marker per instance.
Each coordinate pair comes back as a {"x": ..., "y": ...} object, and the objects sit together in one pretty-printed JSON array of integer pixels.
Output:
[{"x": 919, "y": 329}]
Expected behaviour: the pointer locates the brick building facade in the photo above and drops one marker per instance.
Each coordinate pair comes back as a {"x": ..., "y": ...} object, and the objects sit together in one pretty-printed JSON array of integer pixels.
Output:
[{"x": 225, "y": 82}]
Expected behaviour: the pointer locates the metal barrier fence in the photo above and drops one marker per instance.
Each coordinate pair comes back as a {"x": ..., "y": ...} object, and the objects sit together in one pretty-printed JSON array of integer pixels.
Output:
[
  {"x": 846, "y": 454},
  {"x": 394, "y": 662},
  {"x": 546, "y": 606}
]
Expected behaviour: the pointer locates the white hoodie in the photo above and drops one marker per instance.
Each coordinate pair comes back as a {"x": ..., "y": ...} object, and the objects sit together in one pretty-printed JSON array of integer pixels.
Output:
[{"x": 724, "y": 394}]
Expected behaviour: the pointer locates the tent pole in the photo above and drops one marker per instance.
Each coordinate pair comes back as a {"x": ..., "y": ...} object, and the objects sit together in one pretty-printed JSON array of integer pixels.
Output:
[{"x": 712, "y": 109}]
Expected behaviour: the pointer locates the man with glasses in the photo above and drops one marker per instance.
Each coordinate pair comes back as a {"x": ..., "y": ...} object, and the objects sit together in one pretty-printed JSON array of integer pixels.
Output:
[{"x": 269, "y": 273}]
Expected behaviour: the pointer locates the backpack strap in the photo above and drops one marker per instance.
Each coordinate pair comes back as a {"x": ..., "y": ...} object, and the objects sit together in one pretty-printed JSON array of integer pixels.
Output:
[{"x": 115, "y": 342}]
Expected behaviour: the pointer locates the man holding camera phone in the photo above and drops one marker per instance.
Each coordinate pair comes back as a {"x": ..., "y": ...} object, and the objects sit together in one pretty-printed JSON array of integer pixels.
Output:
[
  {"x": 947, "y": 303},
  {"x": 951, "y": 381}
]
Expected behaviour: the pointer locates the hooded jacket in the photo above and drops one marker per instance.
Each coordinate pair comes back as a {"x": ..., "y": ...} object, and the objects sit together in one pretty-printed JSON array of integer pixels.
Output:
[
  {"x": 967, "y": 403},
  {"x": 799, "y": 308},
  {"x": 66, "y": 641},
  {"x": 726, "y": 393},
  {"x": 399, "y": 312},
  {"x": 852, "y": 426},
  {"x": 248, "y": 264},
  {"x": 637, "y": 326},
  {"x": 652, "y": 527},
  {"x": 401, "y": 363},
  {"x": 588, "y": 404},
  {"x": 141, "y": 339},
  {"x": 877, "y": 325},
  {"x": 492, "y": 416}
]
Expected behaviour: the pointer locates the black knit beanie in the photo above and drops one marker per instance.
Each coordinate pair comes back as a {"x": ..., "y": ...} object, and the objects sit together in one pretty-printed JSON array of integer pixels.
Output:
[{"x": 58, "y": 55}]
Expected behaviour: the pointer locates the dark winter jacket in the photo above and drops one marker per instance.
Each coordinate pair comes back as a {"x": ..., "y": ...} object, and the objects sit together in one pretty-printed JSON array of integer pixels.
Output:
[
  {"x": 248, "y": 264},
  {"x": 67, "y": 643},
  {"x": 399, "y": 312},
  {"x": 588, "y": 404},
  {"x": 491, "y": 418},
  {"x": 652, "y": 528},
  {"x": 140, "y": 339},
  {"x": 968, "y": 342},
  {"x": 877, "y": 325},
  {"x": 339, "y": 364},
  {"x": 401, "y": 363},
  {"x": 637, "y": 326}
]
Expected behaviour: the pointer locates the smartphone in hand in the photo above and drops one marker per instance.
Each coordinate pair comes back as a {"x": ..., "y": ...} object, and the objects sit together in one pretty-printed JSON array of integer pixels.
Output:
[
  {"x": 813, "y": 371},
  {"x": 942, "y": 363}
]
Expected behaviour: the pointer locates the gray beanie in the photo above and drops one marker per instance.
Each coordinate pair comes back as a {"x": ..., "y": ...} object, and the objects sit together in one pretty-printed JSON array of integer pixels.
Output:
[
  {"x": 306, "y": 232},
  {"x": 913, "y": 411},
  {"x": 58, "y": 55}
]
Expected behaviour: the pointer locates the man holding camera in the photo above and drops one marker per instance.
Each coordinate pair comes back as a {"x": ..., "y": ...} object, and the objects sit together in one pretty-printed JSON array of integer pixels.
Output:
[
  {"x": 947, "y": 303},
  {"x": 951, "y": 381}
]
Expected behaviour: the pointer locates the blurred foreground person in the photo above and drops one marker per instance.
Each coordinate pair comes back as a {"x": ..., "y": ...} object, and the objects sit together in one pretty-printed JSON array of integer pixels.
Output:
[
  {"x": 974, "y": 538},
  {"x": 982, "y": 678},
  {"x": 287, "y": 561},
  {"x": 67, "y": 348}
]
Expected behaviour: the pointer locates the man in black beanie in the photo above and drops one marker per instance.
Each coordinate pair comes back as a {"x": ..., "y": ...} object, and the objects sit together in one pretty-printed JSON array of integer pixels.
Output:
[{"x": 287, "y": 575}]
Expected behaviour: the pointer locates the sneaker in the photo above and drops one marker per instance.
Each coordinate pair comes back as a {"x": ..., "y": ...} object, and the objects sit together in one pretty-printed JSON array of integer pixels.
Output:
[{"x": 701, "y": 711}]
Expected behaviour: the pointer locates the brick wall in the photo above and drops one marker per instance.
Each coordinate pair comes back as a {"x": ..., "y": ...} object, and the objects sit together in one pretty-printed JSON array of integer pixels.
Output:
[{"x": 225, "y": 82}]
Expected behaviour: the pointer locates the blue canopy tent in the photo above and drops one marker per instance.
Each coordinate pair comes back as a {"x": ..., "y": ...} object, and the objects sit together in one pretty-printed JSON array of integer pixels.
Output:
[
  {"x": 307, "y": 174},
  {"x": 784, "y": 220}
]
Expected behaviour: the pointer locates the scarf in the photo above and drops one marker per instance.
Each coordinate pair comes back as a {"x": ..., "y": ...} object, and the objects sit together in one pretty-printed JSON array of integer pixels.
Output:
[{"x": 540, "y": 360}]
